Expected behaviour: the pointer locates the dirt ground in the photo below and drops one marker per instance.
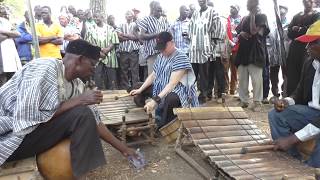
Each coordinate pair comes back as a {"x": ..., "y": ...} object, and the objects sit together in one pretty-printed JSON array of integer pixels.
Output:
[{"x": 163, "y": 162}]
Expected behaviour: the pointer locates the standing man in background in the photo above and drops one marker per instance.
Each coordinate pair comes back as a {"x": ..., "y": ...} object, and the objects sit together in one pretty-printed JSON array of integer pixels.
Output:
[
  {"x": 251, "y": 57},
  {"x": 297, "y": 50},
  {"x": 129, "y": 52},
  {"x": 24, "y": 42},
  {"x": 150, "y": 28},
  {"x": 180, "y": 30},
  {"x": 9, "y": 58},
  {"x": 233, "y": 21},
  {"x": 50, "y": 35},
  {"x": 205, "y": 29}
]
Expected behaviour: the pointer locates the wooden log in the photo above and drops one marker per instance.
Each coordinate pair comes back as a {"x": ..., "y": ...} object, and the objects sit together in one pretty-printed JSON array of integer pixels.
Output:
[{"x": 254, "y": 149}]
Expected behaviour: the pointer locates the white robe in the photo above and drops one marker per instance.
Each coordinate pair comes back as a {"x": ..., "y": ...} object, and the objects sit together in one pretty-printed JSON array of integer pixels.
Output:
[{"x": 10, "y": 58}]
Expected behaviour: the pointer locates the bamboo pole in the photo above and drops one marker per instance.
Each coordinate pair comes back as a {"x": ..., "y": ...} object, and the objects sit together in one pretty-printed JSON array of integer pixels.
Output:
[{"x": 35, "y": 40}]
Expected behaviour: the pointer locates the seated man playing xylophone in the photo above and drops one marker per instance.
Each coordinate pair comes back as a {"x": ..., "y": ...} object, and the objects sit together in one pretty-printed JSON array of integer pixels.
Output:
[
  {"x": 300, "y": 113},
  {"x": 172, "y": 81},
  {"x": 45, "y": 102}
]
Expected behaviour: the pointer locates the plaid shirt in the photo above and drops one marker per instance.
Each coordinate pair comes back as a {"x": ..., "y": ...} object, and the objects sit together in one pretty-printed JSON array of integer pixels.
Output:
[
  {"x": 177, "y": 29},
  {"x": 31, "y": 97}
]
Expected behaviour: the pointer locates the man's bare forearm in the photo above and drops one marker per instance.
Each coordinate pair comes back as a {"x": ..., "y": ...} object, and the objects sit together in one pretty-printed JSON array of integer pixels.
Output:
[
  {"x": 148, "y": 81},
  {"x": 108, "y": 137},
  {"x": 147, "y": 37},
  {"x": 10, "y": 34},
  {"x": 174, "y": 80}
]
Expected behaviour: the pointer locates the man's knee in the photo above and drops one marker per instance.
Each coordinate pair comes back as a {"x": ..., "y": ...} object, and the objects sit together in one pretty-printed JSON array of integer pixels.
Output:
[
  {"x": 83, "y": 114},
  {"x": 273, "y": 117},
  {"x": 173, "y": 100}
]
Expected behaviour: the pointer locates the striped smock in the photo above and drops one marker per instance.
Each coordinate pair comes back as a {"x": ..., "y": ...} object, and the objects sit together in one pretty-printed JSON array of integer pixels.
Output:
[
  {"x": 31, "y": 97},
  {"x": 205, "y": 28},
  {"x": 152, "y": 25},
  {"x": 185, "y": 89}
]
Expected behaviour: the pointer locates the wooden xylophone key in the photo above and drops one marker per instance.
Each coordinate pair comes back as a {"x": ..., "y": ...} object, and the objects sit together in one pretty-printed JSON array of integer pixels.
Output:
[{"x": 252, "y": 149}]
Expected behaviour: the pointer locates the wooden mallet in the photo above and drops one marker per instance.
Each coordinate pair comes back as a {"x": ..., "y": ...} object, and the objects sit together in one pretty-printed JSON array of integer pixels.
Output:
[
  {"x": 121, "y": 96},
  {"x": 134, "y": 110},
  {"x": 254, "y": 149}
]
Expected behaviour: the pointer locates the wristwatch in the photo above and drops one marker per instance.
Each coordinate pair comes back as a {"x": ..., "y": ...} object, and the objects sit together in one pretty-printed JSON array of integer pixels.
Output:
[{"x": 157, "y": 99}]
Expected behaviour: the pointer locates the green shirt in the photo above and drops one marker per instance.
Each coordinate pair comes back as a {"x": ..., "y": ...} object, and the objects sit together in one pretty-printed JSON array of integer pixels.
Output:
[{"x": 103, "y": 37}]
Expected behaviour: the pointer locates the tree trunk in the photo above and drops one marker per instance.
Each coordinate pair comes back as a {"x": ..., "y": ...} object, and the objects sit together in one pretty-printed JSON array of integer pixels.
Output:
[{"x": 98, "y": 6}]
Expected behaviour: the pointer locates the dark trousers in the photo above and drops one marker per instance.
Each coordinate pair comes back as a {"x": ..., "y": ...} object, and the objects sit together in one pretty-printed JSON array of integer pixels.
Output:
[
  {"x": 80, "y": 126},
  {"x": 165, "y": 109},
  {"x": 105, "y": 77},
  {"x": 234, "y": 74},
  {"x": 201, "y": 73},
  {"x": 216, "y": 71},
  {"x": 143, "y": 73},
  {"x": 164, "y": 112},
  {"x": 129, "y": 67},
  {"x": 266, "y": 81},
  {"x": 274, "y": 78},
  {"x": 4, "y": 77}
]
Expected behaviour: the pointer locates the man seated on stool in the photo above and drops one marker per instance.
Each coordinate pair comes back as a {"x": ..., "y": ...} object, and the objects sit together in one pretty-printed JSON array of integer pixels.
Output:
[
  {"x": 297, "y": 118},
  {"x": 172, "y": 81},
  {"x": 45, "y": 102}
]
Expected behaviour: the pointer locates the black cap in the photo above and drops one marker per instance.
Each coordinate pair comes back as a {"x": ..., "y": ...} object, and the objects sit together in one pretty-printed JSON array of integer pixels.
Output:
[
  {"x": 162, "y": 40},
  {"x": 84, "y": 48}
]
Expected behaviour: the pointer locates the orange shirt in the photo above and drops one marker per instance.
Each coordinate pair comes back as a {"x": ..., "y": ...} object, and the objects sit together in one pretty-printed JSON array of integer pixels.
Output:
[{"x": 49, "y": 49}]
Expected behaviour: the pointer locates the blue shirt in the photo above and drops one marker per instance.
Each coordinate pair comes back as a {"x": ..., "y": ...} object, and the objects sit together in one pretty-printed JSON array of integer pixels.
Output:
[
  {"x": 177, "y": 29},
  {"x": 24, "y": 42},
  {"x": 185, "y": 89}
]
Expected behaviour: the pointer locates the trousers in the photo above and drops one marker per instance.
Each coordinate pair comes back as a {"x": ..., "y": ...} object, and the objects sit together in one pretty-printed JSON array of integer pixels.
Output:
[
  {"x": 80, "y": 126},
  {"x": 255, "y": 73},
  {"x": 291, "y": 120}
]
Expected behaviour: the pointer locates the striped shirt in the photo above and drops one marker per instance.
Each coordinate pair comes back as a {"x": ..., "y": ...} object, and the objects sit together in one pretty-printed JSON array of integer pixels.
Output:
[
  {"x": 103, "y": 37},
  {"x": 177, "y": 29},
  {"x": 31, "y": 97},
  {"x": 152, "y": 25},
  {"x": 185, "y": 89},
  {"x": 204, "y": 28},
  {"x": 128, "y": 46}
]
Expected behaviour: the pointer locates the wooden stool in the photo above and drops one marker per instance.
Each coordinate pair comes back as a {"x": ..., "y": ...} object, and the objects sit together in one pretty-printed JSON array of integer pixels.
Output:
[
  {"x": 55, "y": 163},
  {"x": 306, "y": 148}
]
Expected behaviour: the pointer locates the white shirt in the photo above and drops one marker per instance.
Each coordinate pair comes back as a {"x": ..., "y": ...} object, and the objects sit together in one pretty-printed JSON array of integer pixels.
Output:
[{"x": 310, "y": 131}]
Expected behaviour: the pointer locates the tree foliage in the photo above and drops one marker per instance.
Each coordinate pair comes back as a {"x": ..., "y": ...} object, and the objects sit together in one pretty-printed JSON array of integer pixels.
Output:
[
  {"x": 16, "y": 7},
  {"x": 98, "y": 6}
]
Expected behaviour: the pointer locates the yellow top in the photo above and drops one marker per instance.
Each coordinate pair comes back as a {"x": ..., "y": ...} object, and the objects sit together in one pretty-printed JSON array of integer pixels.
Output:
[{"x": 49, "y": 49}]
